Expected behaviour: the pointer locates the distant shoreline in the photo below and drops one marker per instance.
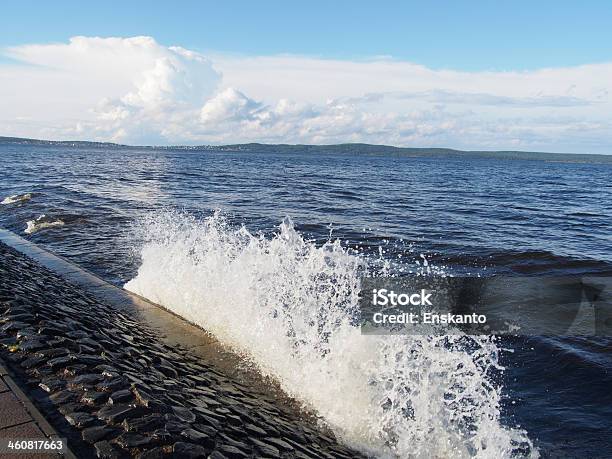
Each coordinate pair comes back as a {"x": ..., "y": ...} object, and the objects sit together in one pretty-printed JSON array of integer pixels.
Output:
[{"x": 346, "y": 148}]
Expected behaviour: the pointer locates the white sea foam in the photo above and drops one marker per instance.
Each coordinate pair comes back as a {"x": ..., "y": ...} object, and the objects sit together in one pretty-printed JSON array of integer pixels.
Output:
[
  {"x": 42, "y": 222},
  {"x": 288, "y": 305},
  {"x": 17, "y": 198}
]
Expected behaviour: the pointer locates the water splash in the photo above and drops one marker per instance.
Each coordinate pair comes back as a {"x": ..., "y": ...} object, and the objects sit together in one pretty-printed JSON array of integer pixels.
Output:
[
  {"x": 15, "y": 198},
  {"x": 42, "y": 222},
  {"x": 290, "y": 307}
]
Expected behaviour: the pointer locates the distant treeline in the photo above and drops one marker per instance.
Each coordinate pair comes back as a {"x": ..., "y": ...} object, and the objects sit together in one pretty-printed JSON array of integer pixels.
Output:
[{"x": 344, "y": 149}]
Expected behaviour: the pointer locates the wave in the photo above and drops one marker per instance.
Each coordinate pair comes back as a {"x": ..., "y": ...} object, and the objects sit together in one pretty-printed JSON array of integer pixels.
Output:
[
  {"x": 17, "y": 198},
  {"x": 289, "y": 306},
  {"x": 42, "y": 222}
]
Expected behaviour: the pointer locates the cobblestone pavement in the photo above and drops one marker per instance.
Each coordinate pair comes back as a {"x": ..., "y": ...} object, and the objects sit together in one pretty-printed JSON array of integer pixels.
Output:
[{"x": 114, "y": 389}]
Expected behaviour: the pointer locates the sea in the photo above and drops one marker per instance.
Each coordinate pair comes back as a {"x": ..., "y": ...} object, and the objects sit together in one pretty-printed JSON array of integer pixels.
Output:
[{"x": 266, "y": 249}]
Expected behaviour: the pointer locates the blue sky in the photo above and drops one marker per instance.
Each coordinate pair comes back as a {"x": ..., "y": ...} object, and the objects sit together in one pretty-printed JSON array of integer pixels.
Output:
[
  {"x": 463, "y": 35},
  {"x": 472, "y": 74}
]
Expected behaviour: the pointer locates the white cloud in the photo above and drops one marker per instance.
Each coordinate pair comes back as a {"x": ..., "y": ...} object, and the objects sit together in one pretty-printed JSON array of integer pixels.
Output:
[{"x": 136, "y": 90}]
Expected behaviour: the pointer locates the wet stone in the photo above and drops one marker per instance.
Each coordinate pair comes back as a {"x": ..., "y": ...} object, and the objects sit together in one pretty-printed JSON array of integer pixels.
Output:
[
  {"x": 12, "y": 326},
  {"x": 209, "y": 431},
  {"x": 89, "y": 359},
  {"x": 97, "y": 433},
  {"x": 155, "y": 453},
  {"x": 52, "y": 353},
  {"x": 217, "y": 455},
  {"x": 189, "y": 450},
  {"x": 104, "y": 450},
  {"x": 120, "y": 396},
  {"x": 63, "y": 397},
  {"x": 59, "y": 362},
  {"x": 143, "y": 424},
  {"x": 112, "y": 385},
  {"x": 94, "y": 398},
  {"x": 233, "y": 442},
  {"x": 175, "y": 427},
  {"x": 234, "y": 420},
  {"x": 212, "y": 422},
  {"x": 143, "y": 397},
  {"x": 254, "y": 430},
  {"x": 184, "y": 414},
  {"x": 231, "y": 452},
  {"x": 32, "y": 345},
  {"x": 80, "y": 419},
  {"x": 33, "y": 362},
  {"x": 168, "y": 371},
  {"x": 117, "y": 413},
  {"x": 52, "y": 384},
  {"x": 75, "y": 370},
  {"x": 162, "y": 436},
  {"x": 132, "y": 440},
  {"x": 86, "y": 379},
  {"x": 10, "y": 341},
  {"x": 280, "y": 443},
  {"x": 198, "y": 437}
]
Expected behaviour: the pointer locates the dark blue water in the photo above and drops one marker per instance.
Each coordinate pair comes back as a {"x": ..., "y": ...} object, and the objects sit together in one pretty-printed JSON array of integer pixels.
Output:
[{"x": 464, "y": 215}]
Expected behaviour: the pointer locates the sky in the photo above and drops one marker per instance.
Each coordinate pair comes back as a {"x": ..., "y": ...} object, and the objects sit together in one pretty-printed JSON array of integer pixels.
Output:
[{"x": 472, "y": 75}]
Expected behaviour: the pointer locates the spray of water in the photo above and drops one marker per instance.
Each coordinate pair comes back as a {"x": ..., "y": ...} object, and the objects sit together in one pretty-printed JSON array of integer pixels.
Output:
[{"x": 289, "y": 306}]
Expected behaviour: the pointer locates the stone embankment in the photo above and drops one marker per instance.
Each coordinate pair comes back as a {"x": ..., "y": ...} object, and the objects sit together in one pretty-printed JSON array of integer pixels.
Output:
[{"x": 114, "y": 388}]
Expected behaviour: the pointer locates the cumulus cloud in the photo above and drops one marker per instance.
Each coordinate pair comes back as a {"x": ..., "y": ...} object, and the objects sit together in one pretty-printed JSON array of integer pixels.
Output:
[
  {"x": 136, "y": 90},
  {"x": 122, "y": 89}
]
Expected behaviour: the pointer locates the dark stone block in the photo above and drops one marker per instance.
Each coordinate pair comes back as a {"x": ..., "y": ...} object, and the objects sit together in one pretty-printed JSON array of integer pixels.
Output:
[
  {"x": 162, "y": 436},
  {"x": 267, "y": 450},
  {"x": 120, "y": 396},
  {"x": 226, "y": 440},
  {"x": 133, "y": 440},
  {"x": 175, "y": 427},
  {"x": 86, "y": 379},
  {"x": 89, "y": 359},
  {"x": 97, "y": 433},
  {"x": 184, "y": 414},
  {"x": 104, "y": 450},
  {"x": 117, "y": 413},
  {"x": 279, "y": 443},
  {"x": 198, "y": 437},
  {"x": 63, "y": 397},
  {"x": 232, "y": 452},
  {"x": 80, "y": 419},
  {"x": 52, "y": 384},
  {"x": 168, "y": 371},
  {"x": 59, "y": 362},
  {"x": 31, "y": 345},
  {"x": 33, "y": 362},
  {"x": 217, "y": 455},
  {"x": 254, "y": 430},
  {"x": 143, "y": 396},
  {"x": 155, "y": 453},
  {"x": 209, "y": 431},
  {"x": 12, "y": 326},
  {"x": 69, "y": 408},
  {"x": 94, "y": 398},
  {"x": 112, "y": 385},
  {"x": 189, "y": 450},
  {"x": 234, "y": 420},
  {"x": 207, "y": 420},
  {"x": 143, "y": 424}
]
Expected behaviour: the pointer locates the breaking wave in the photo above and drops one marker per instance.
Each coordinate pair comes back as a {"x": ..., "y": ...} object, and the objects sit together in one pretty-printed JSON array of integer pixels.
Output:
[
  {"x": 42, "y": 222},
  {"x": 17, "y": 198},
  {"x": 290, "y": 306}
]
